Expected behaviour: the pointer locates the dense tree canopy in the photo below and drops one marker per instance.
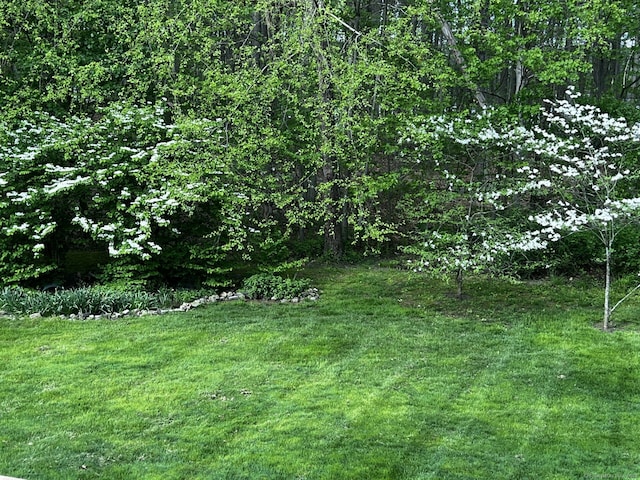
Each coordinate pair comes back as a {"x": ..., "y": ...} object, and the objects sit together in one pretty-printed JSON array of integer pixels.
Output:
[{"x": 272, "y": 129}]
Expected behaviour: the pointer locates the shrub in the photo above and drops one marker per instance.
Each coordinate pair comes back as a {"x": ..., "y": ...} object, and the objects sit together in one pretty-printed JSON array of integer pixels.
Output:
[
  {"x": 272, "y": 287},
  {"x": 164, "y": 203}
]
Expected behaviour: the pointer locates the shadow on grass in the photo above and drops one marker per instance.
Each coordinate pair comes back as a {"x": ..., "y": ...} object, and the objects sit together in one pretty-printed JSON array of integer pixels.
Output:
[{"x": 484, "y": 299}]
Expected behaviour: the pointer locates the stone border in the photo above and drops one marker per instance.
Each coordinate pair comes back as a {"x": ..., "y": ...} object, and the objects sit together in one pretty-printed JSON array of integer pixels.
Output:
[{"x": 312, "y": 294}]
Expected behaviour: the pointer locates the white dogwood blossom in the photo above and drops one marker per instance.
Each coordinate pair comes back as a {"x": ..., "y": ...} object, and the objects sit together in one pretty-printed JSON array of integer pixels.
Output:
[
  {"x": 584, "y": 151},
  {"x": 576, "y": 159}
]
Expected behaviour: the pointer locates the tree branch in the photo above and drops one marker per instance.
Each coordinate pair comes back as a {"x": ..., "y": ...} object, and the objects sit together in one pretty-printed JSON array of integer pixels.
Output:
[{"x": 625, "y": 297}]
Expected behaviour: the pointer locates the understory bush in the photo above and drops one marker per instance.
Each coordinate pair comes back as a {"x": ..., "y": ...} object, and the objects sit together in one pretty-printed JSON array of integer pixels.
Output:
[
  {"x": 272, "y": 287},
  {"x": 90, "y": 300},
  {"x": 162, "y": 202}
]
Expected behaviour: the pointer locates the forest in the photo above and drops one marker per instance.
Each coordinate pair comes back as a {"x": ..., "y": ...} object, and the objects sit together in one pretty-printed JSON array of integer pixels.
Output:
[{"x": 191, "y": 142}]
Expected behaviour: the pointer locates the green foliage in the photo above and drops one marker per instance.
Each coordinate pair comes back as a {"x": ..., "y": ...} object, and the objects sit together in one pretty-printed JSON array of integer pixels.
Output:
[
  {"x": 582, "y": 253},
  {"x": 272, "y": 287},
  {"x": 84, "y": 301},
  {"x": 579, "y": 254},
  {"x": 627, "y": 254},
  {"x": 269, "y": 130}
]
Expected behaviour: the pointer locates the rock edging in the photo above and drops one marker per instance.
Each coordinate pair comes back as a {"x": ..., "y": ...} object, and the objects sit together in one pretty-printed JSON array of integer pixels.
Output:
[{"x": 312, "y": 294}]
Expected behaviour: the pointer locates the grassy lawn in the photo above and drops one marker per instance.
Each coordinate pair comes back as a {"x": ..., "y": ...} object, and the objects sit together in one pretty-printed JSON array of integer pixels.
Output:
[{"x": 386, "y": 377}]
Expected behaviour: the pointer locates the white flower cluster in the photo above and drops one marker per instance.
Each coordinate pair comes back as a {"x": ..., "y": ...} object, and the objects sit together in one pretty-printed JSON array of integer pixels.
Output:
[
  {"x": 587, "y": 166},
  {"x": 575, "y": 161},
  {"x": 126, "y": 217}
]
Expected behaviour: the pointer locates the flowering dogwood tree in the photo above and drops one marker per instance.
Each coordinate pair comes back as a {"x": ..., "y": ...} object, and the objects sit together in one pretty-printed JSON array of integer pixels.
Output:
[
  {"x": 466, "y": 214},
  {"x": 183, "y": 202},
  {"x": 585, "y": 154},
  {"x": 572, "y": 173}
]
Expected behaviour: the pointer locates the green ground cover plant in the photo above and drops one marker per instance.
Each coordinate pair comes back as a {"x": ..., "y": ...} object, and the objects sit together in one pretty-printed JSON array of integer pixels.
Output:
[
  {"x": 387, "y": 376},
  {"x": 268, "y": 286},
  {"x": 96, "y": 300}
]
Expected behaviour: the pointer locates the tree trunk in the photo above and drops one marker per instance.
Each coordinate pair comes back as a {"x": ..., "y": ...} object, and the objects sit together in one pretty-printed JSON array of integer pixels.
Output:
[
  {"x": 459, "y": 59},
  {"x": 607, "y": 289},
  {"x": 519, "y": 67},
  {"x": 332, "y": 228}
]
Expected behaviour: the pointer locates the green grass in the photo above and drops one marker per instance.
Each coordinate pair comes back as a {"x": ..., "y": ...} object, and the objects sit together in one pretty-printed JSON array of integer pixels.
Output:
[{"x": 386, "y": 377}]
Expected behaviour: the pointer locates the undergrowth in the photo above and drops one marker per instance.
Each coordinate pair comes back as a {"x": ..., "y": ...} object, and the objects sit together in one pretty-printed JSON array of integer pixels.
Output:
[
  {"x": 272, "y": 287},
  {"x": 90, "y": 300}
]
